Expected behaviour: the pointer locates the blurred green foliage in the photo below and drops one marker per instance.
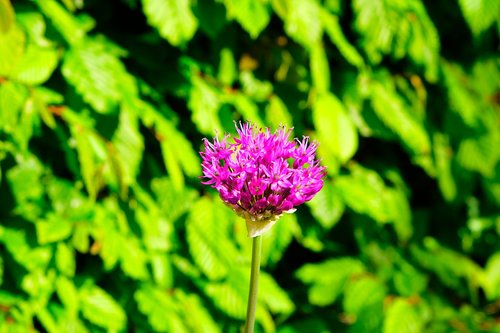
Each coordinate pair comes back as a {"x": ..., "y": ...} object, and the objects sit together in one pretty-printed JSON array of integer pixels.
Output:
[{"x": 105, "y": 227}]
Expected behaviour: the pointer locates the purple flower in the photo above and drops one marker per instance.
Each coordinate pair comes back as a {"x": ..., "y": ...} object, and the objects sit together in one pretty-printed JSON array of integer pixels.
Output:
[{"x": 262, "y": 175}]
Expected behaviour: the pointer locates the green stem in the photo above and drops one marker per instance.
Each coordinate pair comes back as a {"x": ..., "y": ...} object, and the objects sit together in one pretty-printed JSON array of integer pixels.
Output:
[{"x": 254, "y": 284}]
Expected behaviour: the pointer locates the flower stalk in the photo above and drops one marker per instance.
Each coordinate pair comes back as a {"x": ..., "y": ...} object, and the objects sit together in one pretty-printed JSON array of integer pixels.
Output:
[
  {"x": 254, "y": 284},
  {"x": 261, "y": 175}
]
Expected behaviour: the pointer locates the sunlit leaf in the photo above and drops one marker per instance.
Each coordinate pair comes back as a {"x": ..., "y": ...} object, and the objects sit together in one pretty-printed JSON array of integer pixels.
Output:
[
  {"x": 302, "y": 21},
  {"x": 6, "y": 16},
  {"x": 320, "y": 69},
  {"x": 328, "y": 278},
  {"x": 326, "y": 206},
  {"x": 129, "y": 145},
  {"x": 479, "y": 14},
  {"x": 211, "y": 250},
  {"x": 204, "y": 102},
  {"x": 402, "y": 317},
  {"x": 277, "y": 113},
  {"x": 335, "y": 128},
  {"x": 53, "y": 229},
  {"x": 252, "y": 15},
  {"x": 67, "y": 25},
  {"x": 101, "y": 308},
  {"x": 363, "y": 293},
  {"x": 12, "y": 48},
  {"x": 36, "y": 65},
  {"x": 98, "y": 76},
  {"x": 160, "y": 308},
  {"x": 334, "y": 31},
  {"x": 173, "y": 19}
]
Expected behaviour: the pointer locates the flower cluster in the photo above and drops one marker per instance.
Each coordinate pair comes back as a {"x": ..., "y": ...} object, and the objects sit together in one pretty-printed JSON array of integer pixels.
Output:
[{"x": 262, "y": 175}]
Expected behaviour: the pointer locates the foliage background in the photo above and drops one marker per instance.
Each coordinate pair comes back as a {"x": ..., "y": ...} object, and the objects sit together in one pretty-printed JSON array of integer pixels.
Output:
[{"x": 105, "y": 227}]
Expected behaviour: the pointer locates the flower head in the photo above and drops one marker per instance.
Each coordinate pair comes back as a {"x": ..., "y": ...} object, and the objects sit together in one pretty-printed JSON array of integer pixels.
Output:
[{"x": 262, "y": 175}]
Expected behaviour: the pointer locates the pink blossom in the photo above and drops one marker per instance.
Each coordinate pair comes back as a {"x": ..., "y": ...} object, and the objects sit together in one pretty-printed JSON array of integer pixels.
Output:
[{"x": 260, "y": 174}]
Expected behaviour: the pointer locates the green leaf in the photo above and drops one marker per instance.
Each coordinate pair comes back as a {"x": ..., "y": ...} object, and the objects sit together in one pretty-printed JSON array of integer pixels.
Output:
[
  {"x": 401, "y": 317},
  {"x": 68, "y": 294},
  {"x": 491, "y": 277},
  {"x": 395, "y": 114},
  {"x": 65, "y": 259},
  {"x": 172, "y": 203},
  {"x": 303, "y": 23},
  {"x": 207, "y": 229},
  {"x": 183, "y": 150},
  {"x": 228, "y": 71},
  {"x": 385, "y": 28},
  {"x": 25, "y": 184},
  {"x": 12, "y": 48},
  {"x": 52, "y": 229},
  {"x": 13, "y": 97},
  {"x": 101, "y": 309},
  {"x": 409, "y": 281},
  {"x": 39, "y": 283},
  {"x": 361, "y": 192},
  {"x": 161, "y": 309},
  {"x": 443, "y": 154},
  {"x": 90, "y": 157},
  {"x": 36, "y": 65},
  {"x": 47, "y": 321},
  {"x": 320, "y": 69},
  {"x": 459, "y": 93},
  {"x": 173, "y": 19},
  {"x": 67, "y": 25},
  {"x": 173, "y": 167},
  {"x": 29, "y": 123},
  {"x": 68, "y": 201},
  {"x": 480, "y": 154},
  {"x": 362, "y": 293},
  {"x": 108, "y": 242},
  {"x": 364, "y": 192},
  {"x": 80, "y": 239},
  {"x": 326, "y": 206},
  {"x": 334, "y": 31},
  {"x": 480, "y": 14},
  {"x": 196, "y": 315},
  {"x": 177, "y": 152},
  {"x": 335, "y": 128},
  {"x": 33, "y": 23},
  {"x": 211, "y": 15},
  {"x": 276, "y": 240},
  {"x": 204, "y": 103},
  {"x": 133, "y": 260},
  {"x": 252, "y": 15},
  {"x": 129, "y": 144},
  {"x": 230, "y": 296},
  {"x": 492, "y": 186},
  {"x": 275, "y": 298},
  {"x": 450, "y": 266},
  {"x": 247, "y": 108},
  {"x": 328, "y": 279},
  {"x": 162, "y": 270},
  {"x": 277, "y": 113},
  {"x": 255, "y": 88},
  {"x": 157, "y": 236},
  {"x": 399, "y": 208},
  {"x": 370, "y": 319},
  {"x": 6, "y": 16},
  {"x": 98, "y": 76}
]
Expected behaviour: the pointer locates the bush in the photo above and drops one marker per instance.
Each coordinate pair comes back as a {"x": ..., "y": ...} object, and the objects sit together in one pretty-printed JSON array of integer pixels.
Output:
[{"x": 105, "y": 226}]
